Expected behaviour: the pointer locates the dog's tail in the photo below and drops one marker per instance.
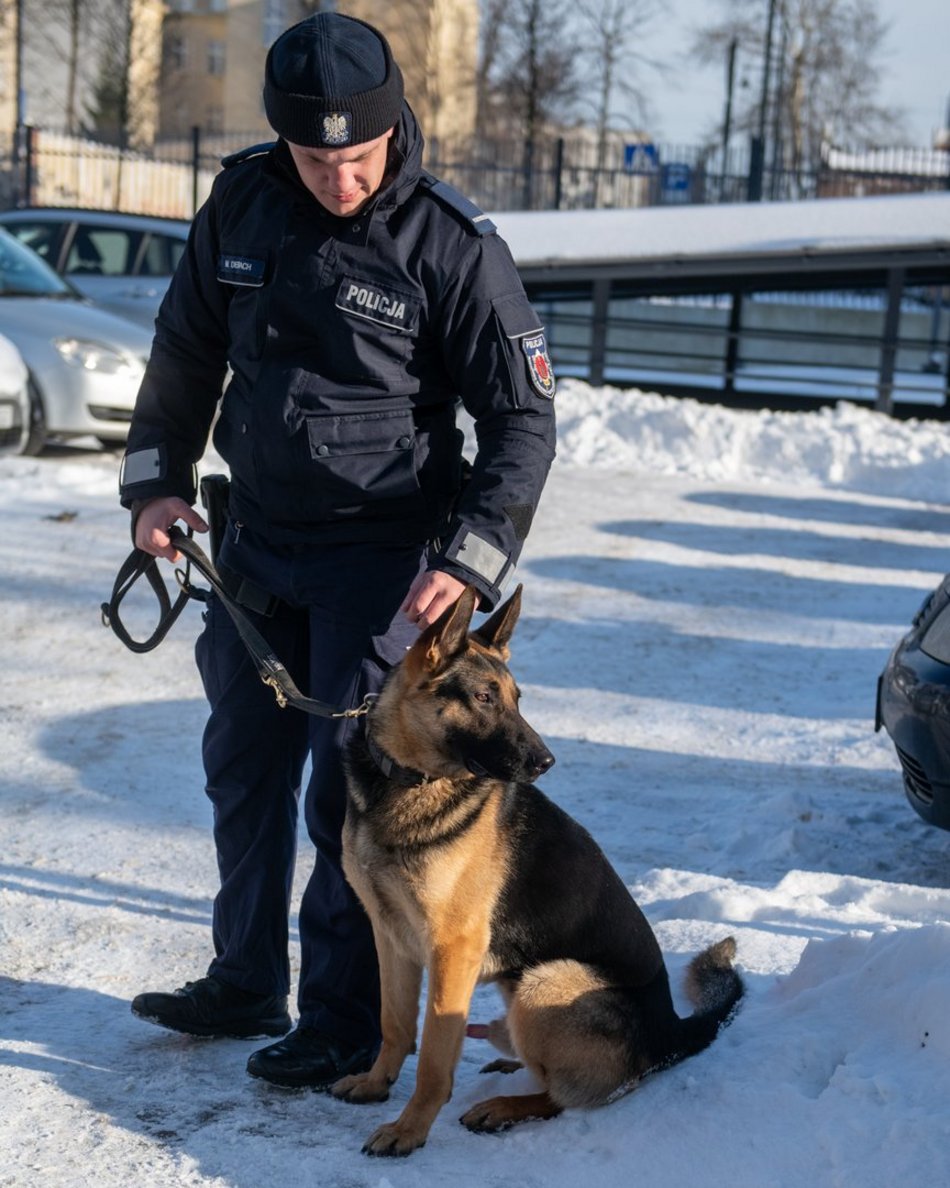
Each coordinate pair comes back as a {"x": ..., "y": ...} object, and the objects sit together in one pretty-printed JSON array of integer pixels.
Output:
[{"x": 714, "y": 988}]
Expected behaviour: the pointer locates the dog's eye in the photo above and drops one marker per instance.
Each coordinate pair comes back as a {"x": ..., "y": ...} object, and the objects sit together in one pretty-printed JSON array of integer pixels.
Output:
[{"x": 484, "y": 697}]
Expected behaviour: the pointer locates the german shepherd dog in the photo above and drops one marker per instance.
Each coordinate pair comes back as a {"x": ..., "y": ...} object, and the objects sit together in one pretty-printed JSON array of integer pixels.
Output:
[{"x": 470, "y": 872}]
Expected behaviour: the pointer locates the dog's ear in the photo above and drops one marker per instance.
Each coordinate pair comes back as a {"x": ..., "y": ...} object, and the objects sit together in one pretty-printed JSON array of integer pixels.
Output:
[
  {"x": 447, "y": 636},
  {"x": 497, "y": 631}
]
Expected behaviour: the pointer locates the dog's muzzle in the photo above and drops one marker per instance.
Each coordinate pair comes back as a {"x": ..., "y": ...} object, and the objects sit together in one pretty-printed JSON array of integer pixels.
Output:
[{"x": 531, "y": 768}]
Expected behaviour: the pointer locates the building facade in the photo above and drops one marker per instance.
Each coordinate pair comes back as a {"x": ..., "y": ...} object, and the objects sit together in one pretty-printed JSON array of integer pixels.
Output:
[
  {"x": 193, "y": 67},
  {"x": 213, "y": 55},
  {"x": 8, "y": 69}
]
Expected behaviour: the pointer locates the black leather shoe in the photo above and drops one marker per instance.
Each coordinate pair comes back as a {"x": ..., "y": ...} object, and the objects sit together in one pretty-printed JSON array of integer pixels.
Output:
[
  {"x": 308, "y": 1058},
  {"x": 210, "y": 1007}
]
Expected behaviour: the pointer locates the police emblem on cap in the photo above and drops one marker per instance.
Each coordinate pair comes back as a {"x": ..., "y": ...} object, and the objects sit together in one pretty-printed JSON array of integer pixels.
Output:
[
  {"x": 539, "y": 364},
  {"x": 337, "y": 127}
]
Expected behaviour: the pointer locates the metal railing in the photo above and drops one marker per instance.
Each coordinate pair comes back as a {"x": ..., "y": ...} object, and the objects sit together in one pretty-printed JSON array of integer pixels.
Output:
[
  {"x": 42, "y": 167},
  {"x": 884, "y": 342}
]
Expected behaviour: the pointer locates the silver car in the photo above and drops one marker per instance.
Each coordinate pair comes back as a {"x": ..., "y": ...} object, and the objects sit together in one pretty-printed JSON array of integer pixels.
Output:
[
  {"x": 85, "y": 365},
  {"x": 123, "y": 262},
  {"x": 14, "y": 399}
]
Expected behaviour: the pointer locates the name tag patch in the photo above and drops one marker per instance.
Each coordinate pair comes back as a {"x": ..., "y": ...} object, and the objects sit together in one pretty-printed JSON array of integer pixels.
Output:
[
  {"x": 377, "y": 304},
  {"x": 240, "y": 270}
]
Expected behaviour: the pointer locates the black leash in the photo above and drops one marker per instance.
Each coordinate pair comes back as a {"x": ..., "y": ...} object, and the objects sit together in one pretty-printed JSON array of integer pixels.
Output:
[
  {"x": 269, "y": 667},
  {"x": 141, "y": 564}
]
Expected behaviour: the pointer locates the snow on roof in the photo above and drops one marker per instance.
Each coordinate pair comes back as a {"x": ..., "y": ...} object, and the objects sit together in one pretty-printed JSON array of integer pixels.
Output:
[
  {"x": 538, "y": 238},
  {"x": 900, "y": 161}
]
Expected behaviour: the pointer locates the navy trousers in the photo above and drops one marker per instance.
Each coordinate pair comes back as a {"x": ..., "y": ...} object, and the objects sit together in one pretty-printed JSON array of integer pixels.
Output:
[{"x": 338, "y": 630}]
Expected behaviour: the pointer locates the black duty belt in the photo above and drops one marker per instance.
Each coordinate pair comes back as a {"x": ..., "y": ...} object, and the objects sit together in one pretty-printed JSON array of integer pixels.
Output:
[{"x": 270, "y": 669}]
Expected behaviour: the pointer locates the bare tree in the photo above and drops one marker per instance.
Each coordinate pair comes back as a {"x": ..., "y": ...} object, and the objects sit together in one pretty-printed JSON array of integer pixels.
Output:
[
  {"x": 531, "y": 80},
  {"x": 72, "y": 65},
  {"x": 609, "y": 31},
  {"x": 107, "y": 110},
  {"x": 491, "y": 39},
  {"x": 64, "y": 45},
  {"x": 825, "y": 73},
  {"x": 832, "y": 77}
]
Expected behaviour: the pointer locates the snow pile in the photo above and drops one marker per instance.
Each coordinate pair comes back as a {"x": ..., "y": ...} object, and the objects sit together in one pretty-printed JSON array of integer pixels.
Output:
[
  {"x": 845, "y": 446},
  {"x": 709, "y": 598}
]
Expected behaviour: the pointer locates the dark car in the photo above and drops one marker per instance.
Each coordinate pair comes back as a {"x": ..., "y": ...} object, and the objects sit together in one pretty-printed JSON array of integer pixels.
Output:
[{"x": 913, "y": 706}]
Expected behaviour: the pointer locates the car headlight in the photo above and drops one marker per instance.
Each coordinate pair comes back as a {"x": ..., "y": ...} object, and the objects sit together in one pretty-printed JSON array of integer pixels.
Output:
[{"x": 93, "y": 356}]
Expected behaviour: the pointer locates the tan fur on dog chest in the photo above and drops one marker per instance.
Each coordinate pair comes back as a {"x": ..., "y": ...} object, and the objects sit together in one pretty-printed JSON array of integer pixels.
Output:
[{"x": 425, "y": 898}]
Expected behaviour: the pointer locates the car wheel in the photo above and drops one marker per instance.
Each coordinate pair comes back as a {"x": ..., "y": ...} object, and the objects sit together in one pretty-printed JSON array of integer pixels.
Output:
[{"x": 34, "y": 436}]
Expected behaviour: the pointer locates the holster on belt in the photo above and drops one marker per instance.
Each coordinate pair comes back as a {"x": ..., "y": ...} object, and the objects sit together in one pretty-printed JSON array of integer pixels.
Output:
[{"x": 215, "y": 492}]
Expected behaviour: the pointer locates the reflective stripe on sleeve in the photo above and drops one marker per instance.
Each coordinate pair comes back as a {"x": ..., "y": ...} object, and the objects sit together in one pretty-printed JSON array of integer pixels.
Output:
[
  {"x": 479, "y": 556},
  {"x": 142, "y": 466}
]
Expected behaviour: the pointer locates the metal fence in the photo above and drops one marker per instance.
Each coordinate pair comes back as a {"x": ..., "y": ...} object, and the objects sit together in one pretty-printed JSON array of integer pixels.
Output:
[{"x": 42, "y": 167}]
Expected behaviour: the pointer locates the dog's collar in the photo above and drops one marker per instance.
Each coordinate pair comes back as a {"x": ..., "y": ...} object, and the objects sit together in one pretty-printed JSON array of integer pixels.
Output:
[{"x": 390, "y": 768}]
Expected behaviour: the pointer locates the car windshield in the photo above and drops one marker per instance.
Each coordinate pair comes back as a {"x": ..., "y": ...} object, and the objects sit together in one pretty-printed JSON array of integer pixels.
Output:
[{"x": 24, "y": 274}]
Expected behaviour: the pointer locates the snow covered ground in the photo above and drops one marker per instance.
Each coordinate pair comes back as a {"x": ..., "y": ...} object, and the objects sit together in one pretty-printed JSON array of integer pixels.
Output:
[{"x": 709, "y": 598}]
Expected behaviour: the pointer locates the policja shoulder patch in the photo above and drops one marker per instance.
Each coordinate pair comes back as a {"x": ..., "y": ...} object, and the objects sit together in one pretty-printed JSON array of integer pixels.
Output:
[{"x": 539, "y": 365}]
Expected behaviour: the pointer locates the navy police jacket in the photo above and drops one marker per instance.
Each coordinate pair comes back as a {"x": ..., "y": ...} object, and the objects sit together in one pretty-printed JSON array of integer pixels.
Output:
[{"x": 343, "y": 347}]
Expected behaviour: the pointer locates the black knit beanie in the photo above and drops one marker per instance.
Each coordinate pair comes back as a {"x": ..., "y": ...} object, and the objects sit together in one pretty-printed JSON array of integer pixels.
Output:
[{"x": 331, "y": 81}]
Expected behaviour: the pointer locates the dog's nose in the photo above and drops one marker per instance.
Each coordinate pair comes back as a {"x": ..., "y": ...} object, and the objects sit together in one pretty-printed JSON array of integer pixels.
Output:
[{"x": 542, "y": 763}]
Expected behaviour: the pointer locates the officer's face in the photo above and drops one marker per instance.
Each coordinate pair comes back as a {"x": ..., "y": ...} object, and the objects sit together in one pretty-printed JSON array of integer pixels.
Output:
[{"x": 343, "y": 180}]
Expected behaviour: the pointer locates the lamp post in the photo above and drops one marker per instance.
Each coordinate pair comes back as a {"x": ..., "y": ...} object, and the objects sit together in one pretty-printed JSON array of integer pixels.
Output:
[
  {"x": 757, "y": 153},
  {"x": 941, "y": 139},
  {"x": 947, "y": 140},
  {"x": 727, "y": 117},
  {"x": 18, "y": 65},
  {"x": 19, "y": 113}
]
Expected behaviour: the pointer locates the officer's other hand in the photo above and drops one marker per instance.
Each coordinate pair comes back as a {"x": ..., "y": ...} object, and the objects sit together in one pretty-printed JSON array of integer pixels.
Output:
[
  {"x": 155, "y": 519},
  {"x": 429, "y": 595}
]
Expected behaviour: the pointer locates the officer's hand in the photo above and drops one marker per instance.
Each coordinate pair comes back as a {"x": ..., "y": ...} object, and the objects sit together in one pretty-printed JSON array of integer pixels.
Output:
[
  {"x": 154, "y": 520},
  {"x": 429, "y": 595}
]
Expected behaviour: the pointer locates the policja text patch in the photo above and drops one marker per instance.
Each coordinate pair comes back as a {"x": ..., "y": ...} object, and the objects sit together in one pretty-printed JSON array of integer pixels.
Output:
[{"x": 384, "y": 306}]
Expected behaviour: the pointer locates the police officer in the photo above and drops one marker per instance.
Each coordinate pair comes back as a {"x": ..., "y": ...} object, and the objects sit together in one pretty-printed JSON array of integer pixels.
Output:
[{"x": 347, "y": 300}]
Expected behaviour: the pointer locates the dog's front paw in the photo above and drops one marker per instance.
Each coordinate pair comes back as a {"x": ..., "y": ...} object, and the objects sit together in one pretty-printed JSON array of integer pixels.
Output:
[
  {"x": 361, "y": 1088},
  {"x": 395, "y": 1138}
]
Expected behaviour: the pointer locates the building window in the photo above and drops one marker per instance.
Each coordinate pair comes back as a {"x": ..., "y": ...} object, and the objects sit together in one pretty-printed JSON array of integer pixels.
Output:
[
  {"x": 216, "y": 57},
  {"x": 275, "y": 20},
  {"x": 217, "y": 5},
  {"x": 214, "y": 119},
  {"x": 177, "y": 52}
]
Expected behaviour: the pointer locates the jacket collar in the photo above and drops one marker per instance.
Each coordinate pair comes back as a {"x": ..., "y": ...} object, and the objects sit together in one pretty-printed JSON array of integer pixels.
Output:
[{"x": 400, "y": 182}]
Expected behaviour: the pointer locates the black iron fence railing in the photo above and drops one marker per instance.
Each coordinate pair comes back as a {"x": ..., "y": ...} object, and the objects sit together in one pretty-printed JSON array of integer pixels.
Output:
[{"x": 42, "y": 167}]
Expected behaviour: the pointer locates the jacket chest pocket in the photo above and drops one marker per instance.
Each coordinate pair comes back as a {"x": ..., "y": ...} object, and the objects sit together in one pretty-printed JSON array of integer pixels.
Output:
[{"x": 364, "y": 457}]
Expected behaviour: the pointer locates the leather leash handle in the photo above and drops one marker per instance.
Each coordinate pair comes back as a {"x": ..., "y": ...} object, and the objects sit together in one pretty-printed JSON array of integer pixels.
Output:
[
  {"x": 269, "y": 667},
  {"x": 141, "y": 564}
]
